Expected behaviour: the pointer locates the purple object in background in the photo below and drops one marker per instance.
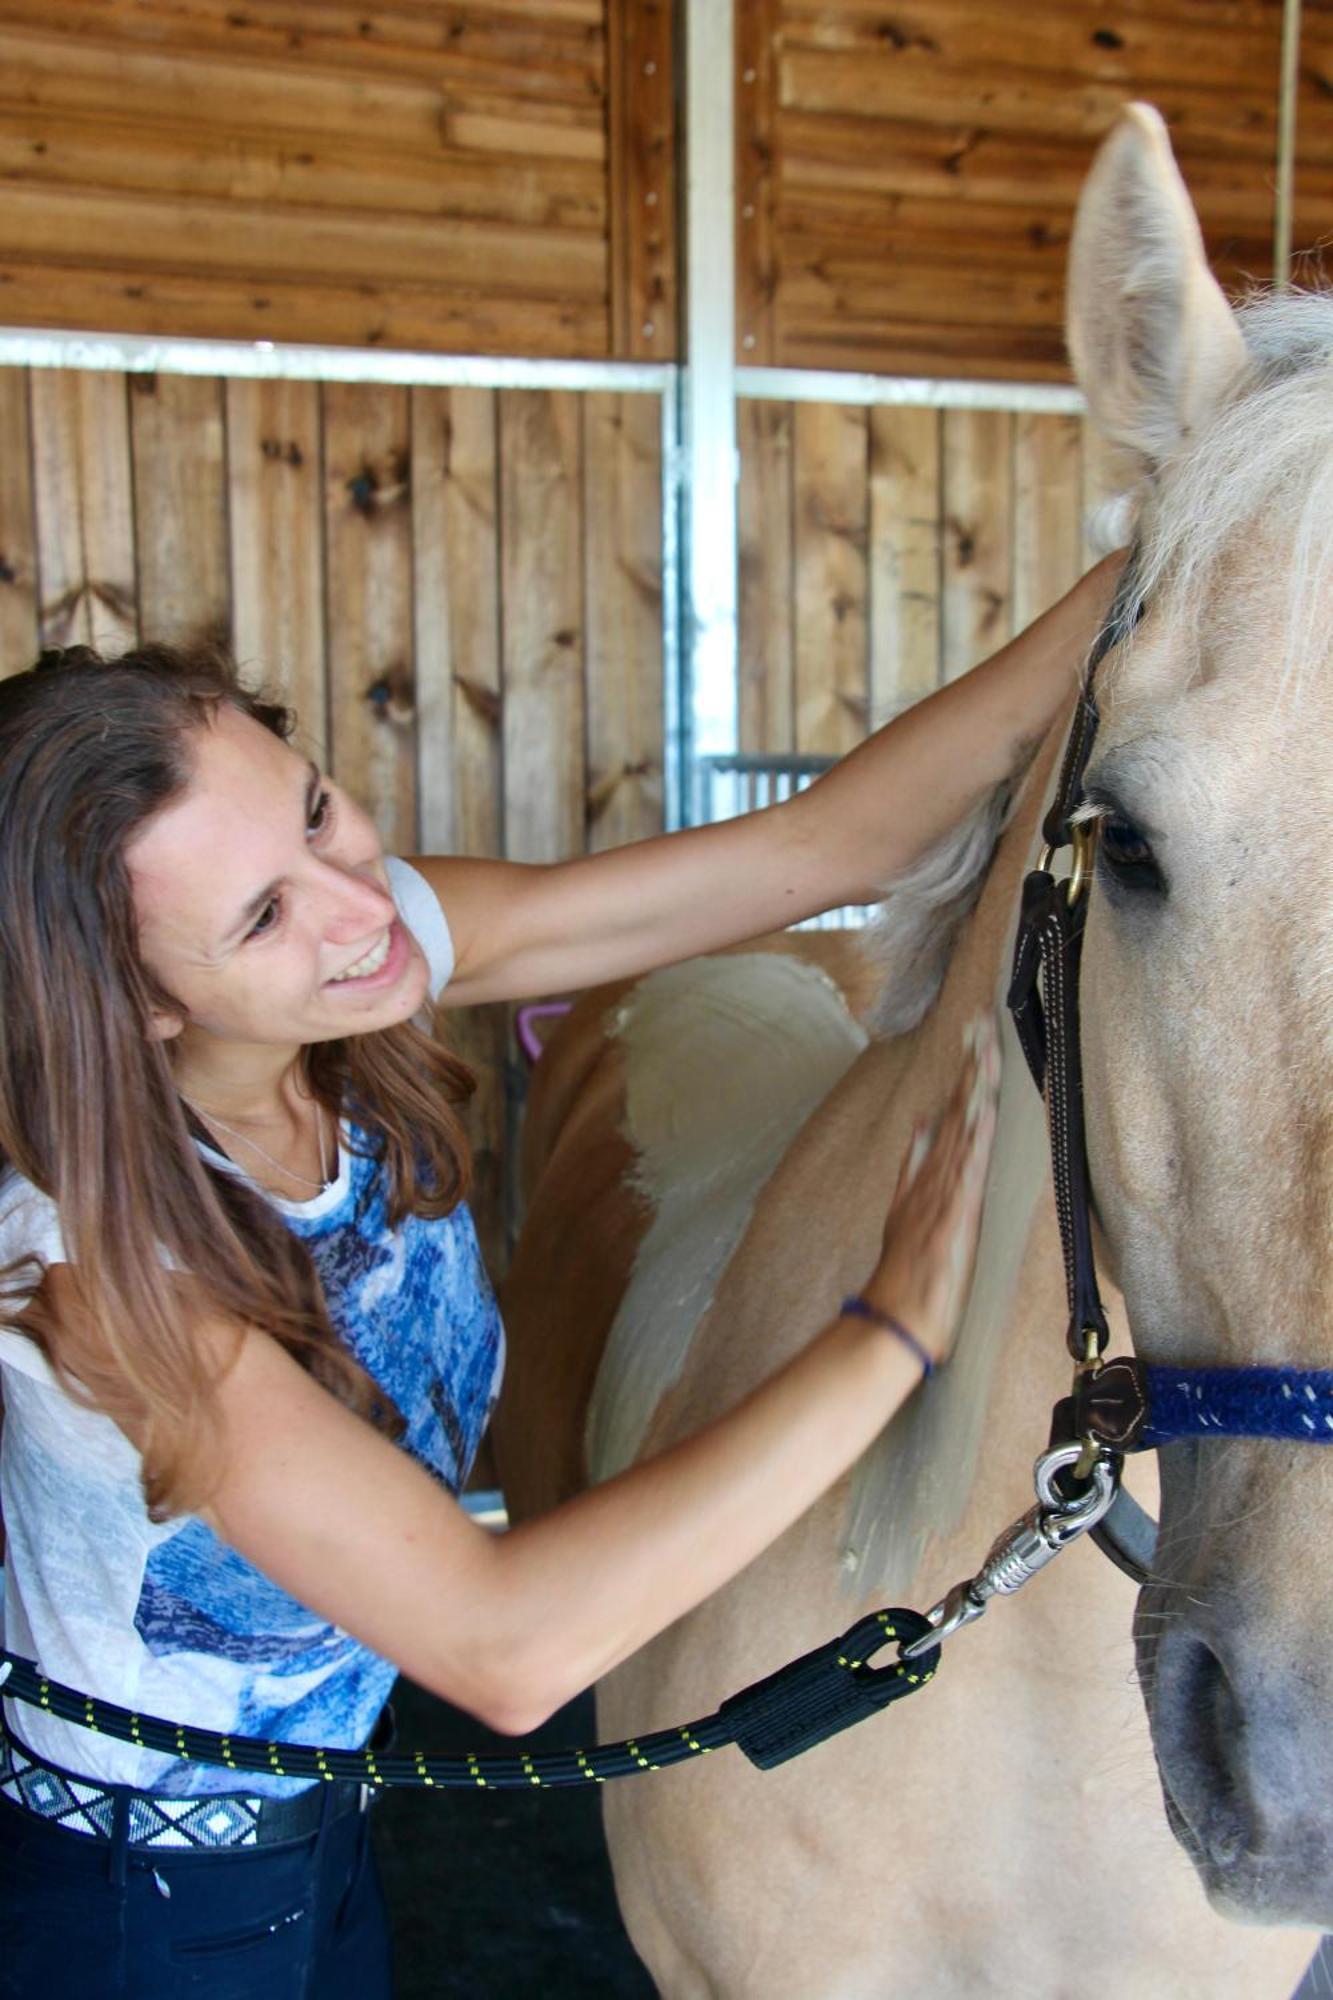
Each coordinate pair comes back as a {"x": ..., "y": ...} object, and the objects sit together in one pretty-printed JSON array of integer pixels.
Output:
[{"x": 537, "y": 1010}]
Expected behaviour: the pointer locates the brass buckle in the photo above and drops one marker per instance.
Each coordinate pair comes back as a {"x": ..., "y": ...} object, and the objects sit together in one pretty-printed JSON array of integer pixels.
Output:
[{"x": 1084, "y": 837}]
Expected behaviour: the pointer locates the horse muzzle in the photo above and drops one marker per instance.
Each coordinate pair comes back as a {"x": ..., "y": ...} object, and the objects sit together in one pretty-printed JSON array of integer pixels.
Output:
[{"x": 1246, "y": 1773}]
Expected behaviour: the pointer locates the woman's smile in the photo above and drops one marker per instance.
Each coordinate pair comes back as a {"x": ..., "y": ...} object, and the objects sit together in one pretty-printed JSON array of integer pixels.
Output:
[{"x": 381, "y": 966}]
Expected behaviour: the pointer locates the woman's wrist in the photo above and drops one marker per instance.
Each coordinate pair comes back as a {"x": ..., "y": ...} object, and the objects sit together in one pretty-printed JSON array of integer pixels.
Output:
[{"x": 859, "y": 1306}]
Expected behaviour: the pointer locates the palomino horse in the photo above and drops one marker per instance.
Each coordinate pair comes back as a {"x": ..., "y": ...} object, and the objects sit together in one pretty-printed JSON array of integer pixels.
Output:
[{"x": 711, "y": 1154}]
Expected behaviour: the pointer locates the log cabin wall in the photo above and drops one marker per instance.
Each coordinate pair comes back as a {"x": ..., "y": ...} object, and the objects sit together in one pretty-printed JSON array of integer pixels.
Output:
[
  {"x": 487, "y": 178},
  {"x": 907, "y": 173}
]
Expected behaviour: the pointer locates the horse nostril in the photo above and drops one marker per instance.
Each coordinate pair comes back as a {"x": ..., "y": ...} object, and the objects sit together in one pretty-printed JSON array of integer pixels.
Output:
[{"x": 1200, "y": 1728}]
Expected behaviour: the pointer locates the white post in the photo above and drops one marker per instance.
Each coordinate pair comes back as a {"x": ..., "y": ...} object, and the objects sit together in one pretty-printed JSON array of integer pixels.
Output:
[
  {"x": 1286, "y": 142},
  {"x": 707, "y": 391}
]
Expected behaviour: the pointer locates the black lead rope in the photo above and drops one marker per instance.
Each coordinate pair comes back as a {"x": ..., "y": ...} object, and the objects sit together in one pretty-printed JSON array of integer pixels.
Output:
[{"x": 802, "y": 1704}]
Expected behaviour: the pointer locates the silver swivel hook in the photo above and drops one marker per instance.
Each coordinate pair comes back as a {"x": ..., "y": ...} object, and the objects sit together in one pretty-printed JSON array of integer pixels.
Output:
[{"x": 1029, "y": 1544}]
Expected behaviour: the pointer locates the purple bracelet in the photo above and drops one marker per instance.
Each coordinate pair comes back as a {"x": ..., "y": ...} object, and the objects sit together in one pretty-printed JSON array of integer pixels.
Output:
[{"x": 858, "y": 1307}]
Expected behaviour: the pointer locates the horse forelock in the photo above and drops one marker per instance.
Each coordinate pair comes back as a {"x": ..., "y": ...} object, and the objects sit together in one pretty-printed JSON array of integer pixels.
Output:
[{"x": 1258, "y": 477}]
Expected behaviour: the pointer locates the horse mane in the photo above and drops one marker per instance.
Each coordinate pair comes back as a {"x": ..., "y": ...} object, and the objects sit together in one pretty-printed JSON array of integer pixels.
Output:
[
  {"x": 1266, "y": 457},
  {"x": 911, "y": 937}
]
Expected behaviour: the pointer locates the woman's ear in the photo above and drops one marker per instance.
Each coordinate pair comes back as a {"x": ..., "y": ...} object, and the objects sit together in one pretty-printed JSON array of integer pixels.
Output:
[{"x": 163, "y": 1024}]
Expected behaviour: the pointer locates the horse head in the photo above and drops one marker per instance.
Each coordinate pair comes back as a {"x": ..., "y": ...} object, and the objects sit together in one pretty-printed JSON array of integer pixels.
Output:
[{"x": 1208, "y": 1011}]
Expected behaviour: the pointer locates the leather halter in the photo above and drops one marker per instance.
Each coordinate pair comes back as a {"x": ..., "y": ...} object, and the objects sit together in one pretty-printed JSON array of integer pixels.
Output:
[{"x": 1124, "y": 1405}]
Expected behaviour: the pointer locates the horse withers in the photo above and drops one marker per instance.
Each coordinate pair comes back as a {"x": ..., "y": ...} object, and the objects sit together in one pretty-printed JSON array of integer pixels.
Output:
[{"x": 709, "y": 1156}]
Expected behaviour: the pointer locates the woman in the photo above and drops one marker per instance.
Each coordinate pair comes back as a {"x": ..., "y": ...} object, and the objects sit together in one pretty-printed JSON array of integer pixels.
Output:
[{"x": 252, "y": 1348}]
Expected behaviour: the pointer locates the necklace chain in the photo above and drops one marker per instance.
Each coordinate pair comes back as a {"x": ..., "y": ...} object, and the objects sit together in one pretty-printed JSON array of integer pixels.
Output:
[{"x": 209, "y": 1118}]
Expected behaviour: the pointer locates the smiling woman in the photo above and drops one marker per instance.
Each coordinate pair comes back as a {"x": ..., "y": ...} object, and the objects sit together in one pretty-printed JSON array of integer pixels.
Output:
[{"x": 250, "y": 1347}]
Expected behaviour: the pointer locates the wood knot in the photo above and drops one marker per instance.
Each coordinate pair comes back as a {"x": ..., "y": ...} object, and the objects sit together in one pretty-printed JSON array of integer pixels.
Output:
[
  {"x": 392, "y": 697},
  {"x": 372, "y": 489},
  {"x": 279, "y": 453},
  {"x": 1107, "y": 38}
]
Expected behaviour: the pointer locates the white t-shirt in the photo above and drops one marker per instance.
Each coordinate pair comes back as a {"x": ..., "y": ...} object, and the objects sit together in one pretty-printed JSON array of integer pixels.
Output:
[{"x": 163, "y": 1617}]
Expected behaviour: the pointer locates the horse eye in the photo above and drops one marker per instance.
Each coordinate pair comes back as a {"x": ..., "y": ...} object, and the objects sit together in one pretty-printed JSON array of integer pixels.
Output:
[{"x": 1128, "y": 856}]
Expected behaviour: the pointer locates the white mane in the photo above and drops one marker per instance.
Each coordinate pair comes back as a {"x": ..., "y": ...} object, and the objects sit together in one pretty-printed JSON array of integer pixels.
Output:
[{"x": 1266, "y": 460}]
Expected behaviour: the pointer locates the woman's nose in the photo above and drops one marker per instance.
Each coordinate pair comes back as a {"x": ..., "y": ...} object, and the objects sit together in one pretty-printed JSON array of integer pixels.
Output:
[{"x": 358, "y": 908}]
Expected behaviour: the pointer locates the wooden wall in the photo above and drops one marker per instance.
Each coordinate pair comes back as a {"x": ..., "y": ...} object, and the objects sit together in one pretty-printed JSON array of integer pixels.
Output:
[
  {"x": 885, "y": 550},
  {"x": 493, "y": 177},
  {"x": 498, "y": 176},
  {"x": 907, "y": 175},
  {"x": 459, "y": 590}
]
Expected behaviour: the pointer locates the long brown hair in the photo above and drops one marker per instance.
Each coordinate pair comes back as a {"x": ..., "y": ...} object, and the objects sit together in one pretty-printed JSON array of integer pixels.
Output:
[{"x": 90, "y": 749}]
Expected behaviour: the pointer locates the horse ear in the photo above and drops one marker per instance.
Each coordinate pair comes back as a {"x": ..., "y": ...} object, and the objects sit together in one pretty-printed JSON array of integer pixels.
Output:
[{"x": 1154, "y": 344}]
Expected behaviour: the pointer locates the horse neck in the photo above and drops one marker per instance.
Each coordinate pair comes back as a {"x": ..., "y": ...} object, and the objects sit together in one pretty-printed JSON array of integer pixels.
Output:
[{"x": 916, "y": 1481}]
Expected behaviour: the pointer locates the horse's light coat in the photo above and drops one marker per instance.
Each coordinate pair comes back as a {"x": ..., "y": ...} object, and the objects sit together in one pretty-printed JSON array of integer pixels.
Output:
[
  {"x": 725, "y": 1059},
  {"x": 915, "y": 1480}
]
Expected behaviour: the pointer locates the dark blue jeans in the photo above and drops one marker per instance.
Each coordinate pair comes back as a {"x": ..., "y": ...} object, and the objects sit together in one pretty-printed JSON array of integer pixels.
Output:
[{"x": 85, "y": 1919}]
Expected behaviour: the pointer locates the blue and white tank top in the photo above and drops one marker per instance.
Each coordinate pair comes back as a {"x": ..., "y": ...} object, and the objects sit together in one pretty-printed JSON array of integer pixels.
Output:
[{"x": 165, "y": 1618}]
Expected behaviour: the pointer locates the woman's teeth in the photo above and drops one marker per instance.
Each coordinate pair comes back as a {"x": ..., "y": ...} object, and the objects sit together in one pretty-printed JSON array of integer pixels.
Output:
[{"x": 371, "y": 962}]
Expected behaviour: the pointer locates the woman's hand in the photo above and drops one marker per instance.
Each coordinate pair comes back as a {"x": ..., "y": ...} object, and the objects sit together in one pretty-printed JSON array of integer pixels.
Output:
[{"x": 930, "y": 1235}]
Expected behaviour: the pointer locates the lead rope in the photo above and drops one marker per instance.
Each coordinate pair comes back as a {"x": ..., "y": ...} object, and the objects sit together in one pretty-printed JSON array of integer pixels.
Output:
[{"x": 774, "y": 1719}]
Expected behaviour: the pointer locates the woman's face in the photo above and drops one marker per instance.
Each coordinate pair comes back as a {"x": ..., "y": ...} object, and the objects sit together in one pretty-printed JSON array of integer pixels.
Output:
[{"x": 262, "y": 900}]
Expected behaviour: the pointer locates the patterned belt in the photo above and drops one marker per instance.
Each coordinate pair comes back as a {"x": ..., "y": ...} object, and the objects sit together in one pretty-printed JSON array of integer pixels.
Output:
[{"x": 219, "y": 1819}]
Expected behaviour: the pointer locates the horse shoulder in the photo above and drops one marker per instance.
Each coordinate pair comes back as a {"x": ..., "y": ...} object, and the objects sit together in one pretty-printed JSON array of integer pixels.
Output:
[{"x": 632, "y": 1110}]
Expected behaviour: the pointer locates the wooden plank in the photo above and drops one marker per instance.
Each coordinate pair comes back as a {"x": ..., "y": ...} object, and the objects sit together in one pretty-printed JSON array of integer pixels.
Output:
[
  {"x": 858, "y": 225},
  {"x": 936, "y": 287},
  {"x": 18, "y": 536},
  {"x": 456, "y": 603},
  {"x": 977, "y": 601},
  {"x": 129, "y": 300},
  {"x": 275, "y": 507},
  {"x": 79, "y": 74},
  {"x": 830, "y": 511},
  {"x": 457, "y": 618},
  {"x": 84, "y": 509},
  {"x": 353, "y": 173},
  {"x": 905, "y": 558},
  {"x": 935, "y": 91},
  {"x": 1209, "y": 45},
  {"x": 758, "y": 137},
  {"x": 641, "y": 179},
  {"x": 368, "y": 540},
  {"x": 767, "y": 720},
  {"x": 538, "y": 51},
  {"x": 542, "y": 594},
  {"x": 1048, "y": 510},
  {"x": 157, "y": 234},
  {"x": 622, "y": 553},
  {"x": 180, "y": 507},
  {"x": 930, "y": 348}
]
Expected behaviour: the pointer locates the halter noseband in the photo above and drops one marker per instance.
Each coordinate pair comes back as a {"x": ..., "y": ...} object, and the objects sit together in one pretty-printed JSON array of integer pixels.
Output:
[{"x": 1125, "y": 1405}]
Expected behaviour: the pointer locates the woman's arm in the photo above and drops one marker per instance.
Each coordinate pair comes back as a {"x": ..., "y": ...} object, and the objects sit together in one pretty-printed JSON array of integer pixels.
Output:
[
  {"x": 511, "y": 1626},
  {"x": 521, "y": 930}
]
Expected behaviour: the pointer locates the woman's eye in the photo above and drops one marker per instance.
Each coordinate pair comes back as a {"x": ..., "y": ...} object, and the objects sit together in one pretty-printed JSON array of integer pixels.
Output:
[
  {"x": 1128, "y": 856},
  {"x": 321, "y": 813},
  {"x": 266, "y": 919}
]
